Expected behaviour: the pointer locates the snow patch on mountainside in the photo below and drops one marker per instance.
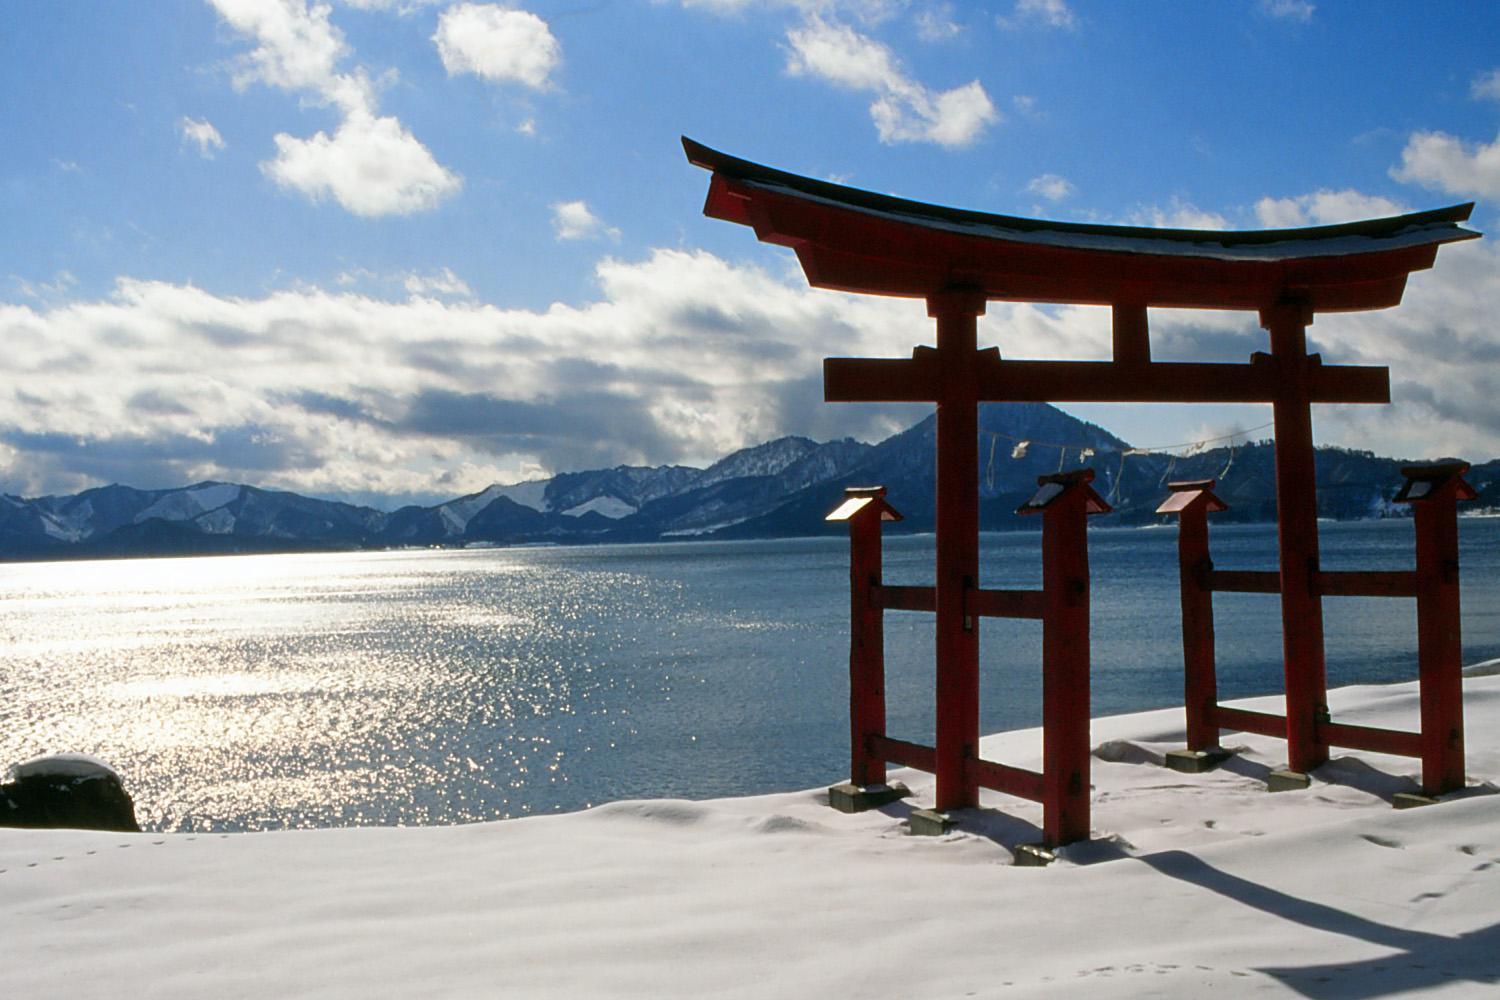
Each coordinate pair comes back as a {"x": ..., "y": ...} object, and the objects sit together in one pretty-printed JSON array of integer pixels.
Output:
[
  {"x": 216, "y": 522},
  {"x": 608, "y": 506},
  {"x": 186, "y": 505},
  {"x": 457, "y": 513},
  {"x": 532, "y": 494},
  {"x": 767, "y": 459}
]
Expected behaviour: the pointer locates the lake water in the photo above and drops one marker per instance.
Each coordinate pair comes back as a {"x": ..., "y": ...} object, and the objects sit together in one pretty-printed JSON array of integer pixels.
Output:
[{"x": 424, "y": 687}]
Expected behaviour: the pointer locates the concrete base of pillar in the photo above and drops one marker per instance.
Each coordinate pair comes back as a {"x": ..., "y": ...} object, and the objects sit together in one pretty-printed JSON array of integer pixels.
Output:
[
  {"x": 1412, "y": 800},
  {"x": 1033, "y": 856},
  {"x": 929, "y": 823},
  {"x": 850, "y": 798},
  {"x": 1196, "y": 761},
  {"x": 1287, "y": 781}
]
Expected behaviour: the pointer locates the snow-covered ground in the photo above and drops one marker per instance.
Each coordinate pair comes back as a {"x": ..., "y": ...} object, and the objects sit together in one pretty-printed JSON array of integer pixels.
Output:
[{"x": 1193, "y": 886}]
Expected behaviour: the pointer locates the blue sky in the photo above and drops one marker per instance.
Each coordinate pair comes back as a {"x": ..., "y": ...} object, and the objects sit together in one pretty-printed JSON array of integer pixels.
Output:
[{"x": 394, "y": 249}]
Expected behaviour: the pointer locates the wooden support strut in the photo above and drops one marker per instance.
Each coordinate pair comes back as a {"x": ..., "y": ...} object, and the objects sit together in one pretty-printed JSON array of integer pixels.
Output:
[
  {"x": 1439, "y": 641},
  {"x": 1200, "y": 684},
  {"x": 864, "y": 508},
  {"x": 866, "y": 652},
  {"x": 1065, "y": 670}
]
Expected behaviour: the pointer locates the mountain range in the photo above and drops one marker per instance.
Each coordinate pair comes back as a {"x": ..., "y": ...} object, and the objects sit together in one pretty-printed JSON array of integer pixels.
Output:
[{"x": 777, "y": 489}]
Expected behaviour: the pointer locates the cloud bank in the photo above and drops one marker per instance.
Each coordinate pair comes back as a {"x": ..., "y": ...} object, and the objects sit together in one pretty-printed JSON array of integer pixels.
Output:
[{"x": 682, "y": 357}]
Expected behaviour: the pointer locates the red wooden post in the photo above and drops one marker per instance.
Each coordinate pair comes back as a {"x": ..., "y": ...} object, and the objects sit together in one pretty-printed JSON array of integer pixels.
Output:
[
  {"x": 1192, "y": 502},
  {"x": 1065, "y": 500},
  {"x": 1433, "y": 492},
  {"x": 1065, "y": 672},
  {"x": 957, "y": 528},
  {"x": 1297, "y": 534},
  {"x": 866, "y": 638}
]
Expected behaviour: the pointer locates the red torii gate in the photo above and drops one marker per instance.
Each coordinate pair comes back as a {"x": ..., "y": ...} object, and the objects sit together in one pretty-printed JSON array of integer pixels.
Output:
[{"x": 957, "y": 260}]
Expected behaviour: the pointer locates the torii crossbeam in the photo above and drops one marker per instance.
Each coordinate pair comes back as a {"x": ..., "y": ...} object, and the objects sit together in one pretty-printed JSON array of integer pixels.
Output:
[{"x": 957, "y": 260}]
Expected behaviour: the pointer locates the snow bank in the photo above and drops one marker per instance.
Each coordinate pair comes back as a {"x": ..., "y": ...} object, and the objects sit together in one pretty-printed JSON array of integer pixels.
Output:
[{"x": 1193, "y": 886}]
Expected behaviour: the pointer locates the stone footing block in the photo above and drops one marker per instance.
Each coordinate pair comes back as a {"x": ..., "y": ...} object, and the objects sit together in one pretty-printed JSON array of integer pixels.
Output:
[
  {"x": 929, "y": 823},
  {"x": 1033, "y": 856},
  {"x": 1287, "y": 781},
  {"x": 1412, "y": 800},
  {"x": 1196, "y": 761},
  {"x": 850, "y": 798}
]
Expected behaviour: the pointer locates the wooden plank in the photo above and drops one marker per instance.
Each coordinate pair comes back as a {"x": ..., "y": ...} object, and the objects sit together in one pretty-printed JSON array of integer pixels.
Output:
[
  {"x": 1245, "y": 721},
  {"x": 916, "y": 380},
  {"x": 905, "y": 598},
  {"x": 1007, "y": 603},
  {"x": 893, "y": 380},
  {"x": 1390, "y": 741},
  {"x": 999, "y": 777},
  {"x": 1244, "y": 581},
  {"x": 923, "y": 758},
  {"x": 1342, "y": 583}
]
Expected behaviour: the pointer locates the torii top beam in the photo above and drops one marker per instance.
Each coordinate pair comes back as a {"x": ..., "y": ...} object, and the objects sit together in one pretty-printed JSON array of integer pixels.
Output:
[{"x": 858, "y": 241}]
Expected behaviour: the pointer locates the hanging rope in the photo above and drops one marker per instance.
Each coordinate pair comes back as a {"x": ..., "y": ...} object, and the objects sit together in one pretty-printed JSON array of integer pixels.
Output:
[
  {"x": 1020, "y": 447},
  {"x": 1227, "y": 465},
  {"x": 1165, "y": 476},
  {"x": 1085, "y": 451}
]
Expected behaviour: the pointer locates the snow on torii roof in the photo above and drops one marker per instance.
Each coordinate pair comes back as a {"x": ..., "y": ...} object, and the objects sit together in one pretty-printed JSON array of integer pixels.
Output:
[{"x": 859, "y": 241}]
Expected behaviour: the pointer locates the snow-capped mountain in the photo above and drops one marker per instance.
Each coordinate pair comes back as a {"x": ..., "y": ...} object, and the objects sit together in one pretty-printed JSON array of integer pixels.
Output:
[{"x": 780, "y": 488}]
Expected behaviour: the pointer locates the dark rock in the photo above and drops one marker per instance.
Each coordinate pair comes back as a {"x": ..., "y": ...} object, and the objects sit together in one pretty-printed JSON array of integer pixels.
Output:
[{"x": 67, "y": 790}]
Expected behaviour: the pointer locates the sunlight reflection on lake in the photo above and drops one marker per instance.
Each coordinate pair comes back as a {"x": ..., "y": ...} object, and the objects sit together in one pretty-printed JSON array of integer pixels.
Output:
[{"x": 423, "y": 687}]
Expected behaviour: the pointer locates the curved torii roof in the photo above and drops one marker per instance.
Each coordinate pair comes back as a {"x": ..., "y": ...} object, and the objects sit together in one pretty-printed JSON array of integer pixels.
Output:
[{"x": 859, "y": 241}]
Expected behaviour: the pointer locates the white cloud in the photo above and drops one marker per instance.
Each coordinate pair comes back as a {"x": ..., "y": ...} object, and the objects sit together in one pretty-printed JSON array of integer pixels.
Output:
[
  {"x": 1323, "y": 208},
  {"x": 61, "y": 285},
  {"x": 904, "y": 110},
  {"x": 400, "y": 7},
  {"x": 1486, "y": 85},
  {"x": 864, "y": 11},
  {"x": 1447, "y": 163},
  {"x": 371, "y": 166},
  {"x": 443, "y": 282},
  {"x": 1048, "y": 13},
  {"x": 1288, "y": 10},
  {"x": 936, "y": 24},
  {"x": 297, "y": 48},
  {"x": 1052, "y": 187},
  {"x": 572, "y": 220},
  {"x": 201, "y": 134},
  {"x": 496, "y": 43},
  {"x": 1177, "y": 214},
  {"x": 719, "y": 6}
]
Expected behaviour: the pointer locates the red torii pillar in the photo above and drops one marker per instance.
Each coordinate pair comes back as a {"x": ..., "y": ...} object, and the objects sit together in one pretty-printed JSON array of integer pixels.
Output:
[
  {"x": 957, "y": 312},
  {"x": 1297, "y": 531}
]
